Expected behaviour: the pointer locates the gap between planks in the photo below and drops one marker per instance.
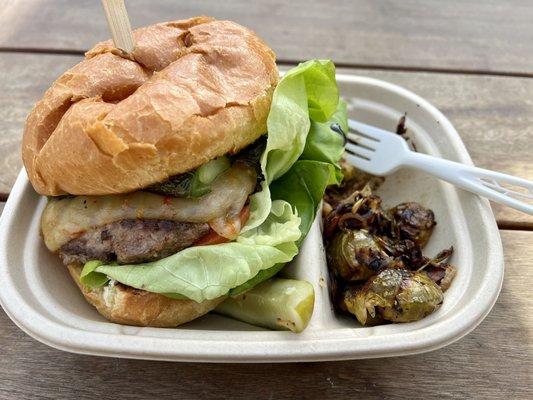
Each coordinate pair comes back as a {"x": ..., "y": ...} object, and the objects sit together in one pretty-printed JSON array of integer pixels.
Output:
[
  {"x": 287, "y": 62},
  {"x": 514, "y": 226}
]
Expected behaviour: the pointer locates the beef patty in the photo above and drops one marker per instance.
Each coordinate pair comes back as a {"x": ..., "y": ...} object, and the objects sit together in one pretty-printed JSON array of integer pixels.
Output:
[{"x": 132, "y": 241}]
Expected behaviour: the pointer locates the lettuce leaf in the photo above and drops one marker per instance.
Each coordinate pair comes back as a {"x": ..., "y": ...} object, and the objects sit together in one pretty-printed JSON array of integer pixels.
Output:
[
  {"x": 207, "y": 272},
  {"x": 307, "y": 94},
  {"x": 299, "y": 161},
  {"x": 302, "y": 187},
  {"x": 90, "y": 277},
  {"x": 323, "y": 145}
]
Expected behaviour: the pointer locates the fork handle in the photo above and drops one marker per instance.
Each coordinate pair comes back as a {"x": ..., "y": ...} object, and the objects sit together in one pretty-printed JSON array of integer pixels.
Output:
[{"x": 486, "y": 183}]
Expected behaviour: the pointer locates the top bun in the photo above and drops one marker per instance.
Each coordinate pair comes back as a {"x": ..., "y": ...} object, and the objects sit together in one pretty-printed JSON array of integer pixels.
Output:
[{"x": 191, "y": 91}]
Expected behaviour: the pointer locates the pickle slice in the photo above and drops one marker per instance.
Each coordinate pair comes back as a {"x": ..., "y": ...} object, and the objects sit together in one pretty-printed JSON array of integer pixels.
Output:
[{"x": 280, "y": 304}]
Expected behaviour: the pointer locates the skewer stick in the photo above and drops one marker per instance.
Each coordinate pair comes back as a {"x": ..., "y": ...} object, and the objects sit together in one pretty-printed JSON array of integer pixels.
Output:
[{"x": 119, "y": 24}]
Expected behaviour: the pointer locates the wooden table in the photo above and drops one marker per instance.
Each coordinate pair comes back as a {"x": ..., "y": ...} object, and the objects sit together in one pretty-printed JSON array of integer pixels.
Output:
[{"x": 472, "y": 59}]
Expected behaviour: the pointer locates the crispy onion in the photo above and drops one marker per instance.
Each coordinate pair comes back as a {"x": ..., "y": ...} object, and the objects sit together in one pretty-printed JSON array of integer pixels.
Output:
[{"x": 66, "y": 218}]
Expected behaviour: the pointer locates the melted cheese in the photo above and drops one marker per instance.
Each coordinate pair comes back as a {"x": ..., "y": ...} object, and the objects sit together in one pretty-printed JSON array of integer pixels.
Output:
[{"x": 66, "y": 218}]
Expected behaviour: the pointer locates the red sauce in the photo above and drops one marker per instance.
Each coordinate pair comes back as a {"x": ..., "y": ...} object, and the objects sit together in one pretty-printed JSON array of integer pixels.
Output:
[{"x": 214, "y": 238}]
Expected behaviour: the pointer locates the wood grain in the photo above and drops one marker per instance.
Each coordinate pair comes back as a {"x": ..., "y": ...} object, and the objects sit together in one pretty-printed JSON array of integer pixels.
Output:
[
  {"x": 493, "y": 362},
  {"x": 494, "y": 115},
  {"x": 455, "y": 34},
  {"x": 23, "y": 80}
]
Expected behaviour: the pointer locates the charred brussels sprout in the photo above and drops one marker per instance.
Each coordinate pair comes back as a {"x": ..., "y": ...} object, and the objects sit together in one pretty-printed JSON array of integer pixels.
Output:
[
  {"x": 394, "y": 295},
  {"x": 377, "y": 269},
  {"x": 362, "y": 210},
  {"x": 355, "y": 255},
  {"x": 440, "y": 271},
  {"x": 350, "y": 303},
  {"x": 406, "y": 251},
  {"x": 354, "y": 180},
  {"x": 414, "y": 222}
]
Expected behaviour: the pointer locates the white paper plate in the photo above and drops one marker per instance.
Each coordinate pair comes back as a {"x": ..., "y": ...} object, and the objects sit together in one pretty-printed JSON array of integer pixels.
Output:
[{"x": 40, "y": 297}]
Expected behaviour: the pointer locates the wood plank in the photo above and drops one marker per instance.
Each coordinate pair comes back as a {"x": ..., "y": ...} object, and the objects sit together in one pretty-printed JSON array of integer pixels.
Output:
[
  {"x": 470, "y": 35},
  {"x": 493, "y": 362},
  {"x": 494, "y": 115},
  {"x": 24, "y": 79}
]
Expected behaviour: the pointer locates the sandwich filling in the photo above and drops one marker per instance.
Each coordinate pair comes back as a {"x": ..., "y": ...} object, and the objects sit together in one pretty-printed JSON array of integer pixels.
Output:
[{"x": 151, "y": 224}]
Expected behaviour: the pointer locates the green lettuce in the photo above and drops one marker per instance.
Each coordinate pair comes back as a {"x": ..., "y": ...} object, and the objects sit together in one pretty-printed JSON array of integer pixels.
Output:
[
  {"x": 303, "y": 187},
  {"x": 90, "y": 277},
  {"x": 306, "y": 182},
  {"x": 299, "y": 161},
  {"x": 207, "y": 272},
  {"x": 306, "y": 95},
  {"x": 322, "y": 145}
]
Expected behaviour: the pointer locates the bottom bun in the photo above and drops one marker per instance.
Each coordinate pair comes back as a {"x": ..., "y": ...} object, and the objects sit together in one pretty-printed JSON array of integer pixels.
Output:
[{"x": 130, "y": 306}]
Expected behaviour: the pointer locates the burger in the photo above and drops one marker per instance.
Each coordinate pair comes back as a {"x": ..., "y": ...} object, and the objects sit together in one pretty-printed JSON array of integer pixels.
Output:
[{"x": 184, "y": 173}]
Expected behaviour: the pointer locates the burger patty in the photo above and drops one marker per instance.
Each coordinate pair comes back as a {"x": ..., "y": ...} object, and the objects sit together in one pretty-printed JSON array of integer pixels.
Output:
[{"x": 132, "y": 241}]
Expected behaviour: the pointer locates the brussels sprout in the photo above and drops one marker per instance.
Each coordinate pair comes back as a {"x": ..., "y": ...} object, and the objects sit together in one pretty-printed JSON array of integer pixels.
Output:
[
  {"x": 442, "y": 274},
  {"x": 354, "y": 180},
  {"x": 378, "y": 271},
  {"x": 439, "y": 271},
  {"x": 362, "y": 210},
  {"x": 414, "y": 222},
  {"x": 355, "y": 255},
  {"x": 405, "y": 251},
  {"x": 394, "y": 295},
  {"x": 349, "y": 303}
]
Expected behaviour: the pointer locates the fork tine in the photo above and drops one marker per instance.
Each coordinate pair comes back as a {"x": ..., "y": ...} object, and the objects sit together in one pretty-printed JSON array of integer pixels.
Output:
[
  {"x": 368, "y": 131},
  {"x": 361, "y": 141},
  {"x": 359, "y": 151},
  {"x": 358, "y": 162}
]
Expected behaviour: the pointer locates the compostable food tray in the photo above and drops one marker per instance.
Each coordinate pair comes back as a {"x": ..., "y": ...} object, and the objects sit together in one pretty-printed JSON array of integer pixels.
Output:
[{"x": 38, "y": 294}]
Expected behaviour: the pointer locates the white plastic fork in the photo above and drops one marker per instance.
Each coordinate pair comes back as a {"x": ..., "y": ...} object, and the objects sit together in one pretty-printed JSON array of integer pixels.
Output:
[{"x": 380, "y": 152}]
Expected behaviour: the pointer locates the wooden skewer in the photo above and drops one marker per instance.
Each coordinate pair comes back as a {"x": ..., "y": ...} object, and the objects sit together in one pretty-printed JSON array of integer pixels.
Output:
[{"x": 119, "y": 24}]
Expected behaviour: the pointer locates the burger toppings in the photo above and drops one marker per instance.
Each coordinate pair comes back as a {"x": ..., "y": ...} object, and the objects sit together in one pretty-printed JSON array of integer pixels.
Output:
[
  {"x": 229, "y": 226},
  {"x": 193, "y": 184},
  {"x": 198, "y": 182},
  {"x": 67, "y": 218}
]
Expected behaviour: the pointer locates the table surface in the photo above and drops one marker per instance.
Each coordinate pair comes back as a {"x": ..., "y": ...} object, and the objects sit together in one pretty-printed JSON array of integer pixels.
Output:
[{"x": 471, "y": 59}]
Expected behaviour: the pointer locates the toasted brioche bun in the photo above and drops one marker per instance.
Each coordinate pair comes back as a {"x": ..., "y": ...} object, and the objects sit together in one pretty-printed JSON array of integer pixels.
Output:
[
  {"x": 191, "y": 91},
  {"x": 129, "y": 306}
]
